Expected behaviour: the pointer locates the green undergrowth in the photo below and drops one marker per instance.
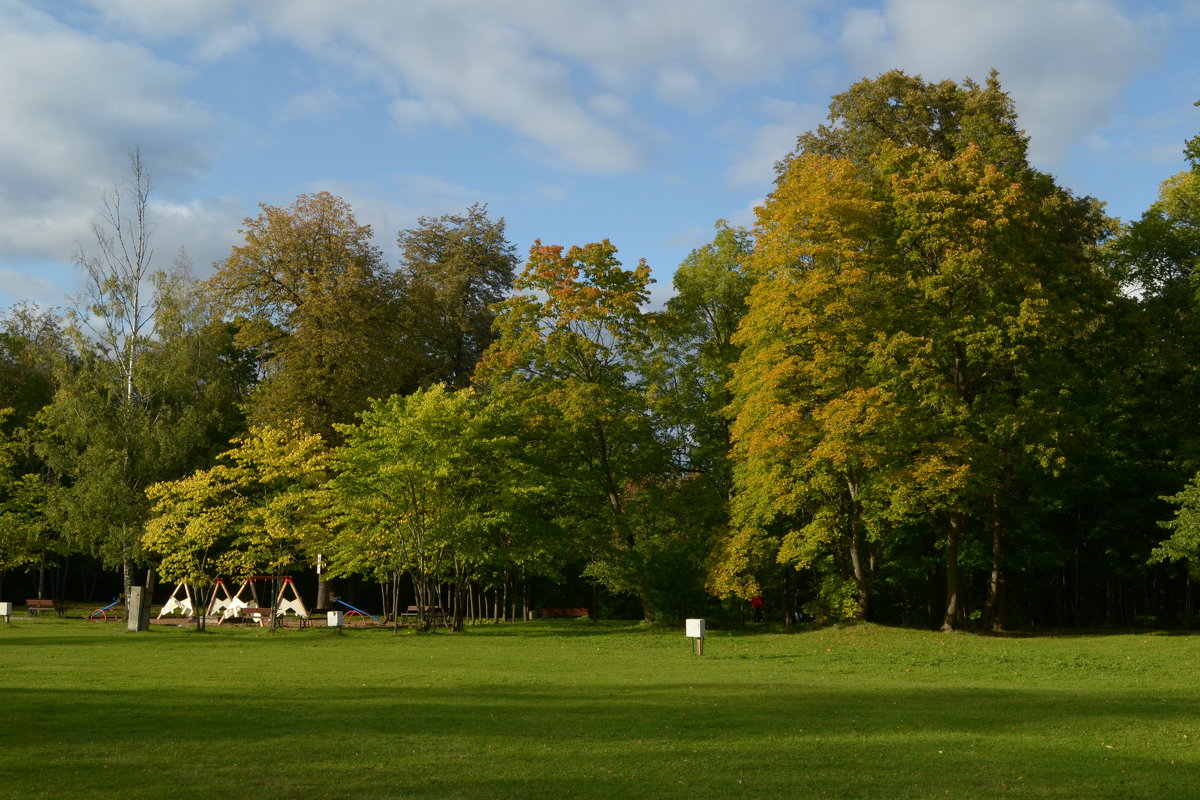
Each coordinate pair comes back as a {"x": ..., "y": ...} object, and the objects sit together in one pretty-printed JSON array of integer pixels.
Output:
[{"x": 576, "y": 709}]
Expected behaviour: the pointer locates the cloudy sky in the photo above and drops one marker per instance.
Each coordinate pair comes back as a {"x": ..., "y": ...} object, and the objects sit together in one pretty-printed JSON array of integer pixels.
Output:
[{"x": 640, "y": 121}]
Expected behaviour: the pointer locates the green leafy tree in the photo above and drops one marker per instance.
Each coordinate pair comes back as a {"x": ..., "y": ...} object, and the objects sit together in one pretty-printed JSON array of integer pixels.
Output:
[
  {"x": 141, "y": 395},
  {"x": 426, "y": 485},
  {"x": 907, "y": 343},
  {"x": 569, "y": 342},
  {"x": 693, "y": 353},
  {"x": 896, "y": 109},
  {"x": 309, "y": 296},
  {"x": 1158, "y": 258},
  {"x": 1160, "y": 255},
  {"x": 453, "y": 269},
  {"x": 1000, "y": 289},
  {"x": 30, "y": 341},
  {"x": 809, "y": 433},
  {"x": 193, "y": 524},
  {"x": 686, "y": 374},
  {"x": 22, "y": 498},
  {"x": 259, "y": 512},
  {"x": 311, "y": 300}
]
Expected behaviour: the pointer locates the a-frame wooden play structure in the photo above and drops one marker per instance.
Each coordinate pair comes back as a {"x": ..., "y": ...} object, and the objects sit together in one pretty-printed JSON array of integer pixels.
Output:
[{"x": 246, "y": 602}]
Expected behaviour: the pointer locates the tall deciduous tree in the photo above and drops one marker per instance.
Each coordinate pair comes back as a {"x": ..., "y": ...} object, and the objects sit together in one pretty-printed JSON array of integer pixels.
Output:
[
  {"x": 909, "y": 341},
  {"x": 568, "y": 344},
  {"x": 258, "y": 512},
  {"x": 808, "y": 425},
  {"x": 31, "y": 340},
  {"x": 311, "y": 299},
  {"x": 31, "y": 343},
  {"x": 453, "y": 269},
  {"x": 309, "y": 294},
  {"x": 21, "y": 509},
  {"x": 423, "y": 485},
  {"x": 138, "y": 398},
  {"x": 686, "y": 374},
  {"x": 692, "y": 360},
  {"x": 123, "y": 293},
  {"x": 1160, "y": 255}
]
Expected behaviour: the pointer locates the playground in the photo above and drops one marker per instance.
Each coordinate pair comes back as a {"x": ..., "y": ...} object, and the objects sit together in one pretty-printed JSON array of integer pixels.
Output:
[{"x": 575, "y": 708}]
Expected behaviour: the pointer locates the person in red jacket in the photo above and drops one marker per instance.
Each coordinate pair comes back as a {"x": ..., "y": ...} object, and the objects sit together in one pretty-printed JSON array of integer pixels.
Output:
[{"x": 757, "y": 603}]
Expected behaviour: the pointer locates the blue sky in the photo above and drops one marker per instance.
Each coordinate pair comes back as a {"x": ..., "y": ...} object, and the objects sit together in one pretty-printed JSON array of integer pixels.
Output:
[{"x": 640, "y": 121}]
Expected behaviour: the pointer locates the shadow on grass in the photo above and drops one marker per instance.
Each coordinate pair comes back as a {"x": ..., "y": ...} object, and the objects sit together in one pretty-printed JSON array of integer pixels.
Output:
[
  {"x": 1086, "y": 633},
  {"x": 562, "y": 627},
  {"x": 278, "y": 736}
]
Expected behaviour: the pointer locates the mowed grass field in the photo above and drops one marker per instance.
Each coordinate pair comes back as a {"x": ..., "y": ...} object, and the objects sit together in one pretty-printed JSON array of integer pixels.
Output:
[{"x": 575, "y": 709}]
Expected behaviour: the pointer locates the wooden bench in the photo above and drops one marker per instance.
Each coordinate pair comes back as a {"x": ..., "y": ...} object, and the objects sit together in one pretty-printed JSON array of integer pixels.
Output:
[
  {"x": 35, "y": 605},
  {"x": 430, "y": 612},
  {"x": 249, "y": 614},
  {"x": 256, "y": 614},
  {"x": 564, "y": 612}
]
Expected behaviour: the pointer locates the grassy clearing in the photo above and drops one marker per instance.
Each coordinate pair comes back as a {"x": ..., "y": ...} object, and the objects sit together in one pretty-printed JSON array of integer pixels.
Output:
[{"x": 570, "y": 708}]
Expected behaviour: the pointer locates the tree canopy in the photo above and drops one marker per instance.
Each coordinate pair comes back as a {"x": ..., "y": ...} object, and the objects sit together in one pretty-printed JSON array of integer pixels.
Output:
[{"x": 929, "y": 386}]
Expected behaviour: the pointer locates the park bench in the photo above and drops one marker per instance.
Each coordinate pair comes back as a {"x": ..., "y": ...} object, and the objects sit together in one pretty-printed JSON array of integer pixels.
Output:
[
  {"x": 256, "y": 614},
  {"x": 249, "y": 614},
  {"x": 564, "y": 612},
  {"x": 430, "y": 611},
  {"x": 36, "y": 604}
]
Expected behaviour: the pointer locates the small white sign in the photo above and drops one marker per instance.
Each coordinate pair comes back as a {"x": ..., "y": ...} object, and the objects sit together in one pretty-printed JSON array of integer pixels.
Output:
[{"x": 694, "y": 628}]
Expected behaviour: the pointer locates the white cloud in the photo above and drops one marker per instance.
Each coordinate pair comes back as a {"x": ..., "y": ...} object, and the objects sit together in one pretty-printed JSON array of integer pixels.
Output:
[
  {"x": 412, "y": 113},
  {"x": 772, "y": 141},
  {"x": 550, "y": 192},
  {"x": 408, "y": 198},
  {"x": 551, "y": 73},
  {"x": 217, "y": 27},
  {"x": 45, "y": 290},
  {"x": 317, "y": 103},
  {"x": 205, "y": 229},
  {"x": 729, "y": 42},
  {"x": 82, "y": 104},
  {"x": 609, "y": 105},
  {"x": 681, "y": 87},
  {"x": 1065, "y": 62}
]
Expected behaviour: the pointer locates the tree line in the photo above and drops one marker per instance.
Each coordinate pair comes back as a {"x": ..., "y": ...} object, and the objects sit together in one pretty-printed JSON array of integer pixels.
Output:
[{"x": 930, "y": 386}]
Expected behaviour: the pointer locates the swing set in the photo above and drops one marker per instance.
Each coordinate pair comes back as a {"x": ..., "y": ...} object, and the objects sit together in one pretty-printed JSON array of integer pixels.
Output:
[
  {"x": 245, "y": 603},
  {"x": 237, "y": 607}
]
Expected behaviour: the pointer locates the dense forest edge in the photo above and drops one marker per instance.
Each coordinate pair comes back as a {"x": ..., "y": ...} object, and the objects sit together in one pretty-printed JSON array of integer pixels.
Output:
[{"x": 930, "y": 387}]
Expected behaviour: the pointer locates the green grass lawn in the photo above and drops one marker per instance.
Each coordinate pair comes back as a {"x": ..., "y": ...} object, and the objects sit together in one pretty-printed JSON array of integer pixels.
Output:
[{"x": 570, "y": 708}]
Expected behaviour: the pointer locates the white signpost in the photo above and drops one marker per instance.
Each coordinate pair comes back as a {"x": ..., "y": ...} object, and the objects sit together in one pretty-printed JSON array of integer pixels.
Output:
[{"x": 694, "y": 629}]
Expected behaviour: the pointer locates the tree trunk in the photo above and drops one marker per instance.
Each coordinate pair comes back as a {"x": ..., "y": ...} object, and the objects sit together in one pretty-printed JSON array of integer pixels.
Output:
[
  {"x": 459, "y": 598},
  {"x": 396, "y": 602},
  {"x": 525, "y": 594},
  {"x": 271, "y": 603},
  {"x": 861, "y": 579},
  {"x": 951, "y": 621},
  {"x": 201, "y": 598},
  {"x": 993, "y": 607},
  {"x": 126, "y": 577},
  {"x": 504, "y": 603},
  {"x": 862, "y": 576}
]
